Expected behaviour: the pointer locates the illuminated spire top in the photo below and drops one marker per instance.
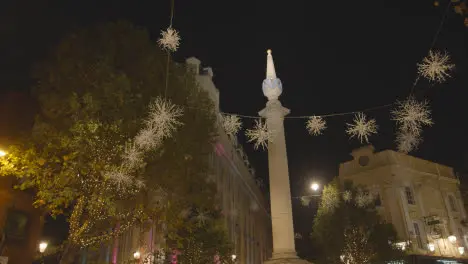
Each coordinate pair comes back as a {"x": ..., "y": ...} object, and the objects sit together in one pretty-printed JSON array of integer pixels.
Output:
[
  {"x": 270, "y": 73},
  {"x": 272, "y": 87}
]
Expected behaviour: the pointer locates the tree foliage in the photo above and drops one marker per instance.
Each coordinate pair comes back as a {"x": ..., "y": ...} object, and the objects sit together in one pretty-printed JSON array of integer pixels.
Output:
[
  {"x": 94, "y": 92},
  {"x": 350, "y": 233}
]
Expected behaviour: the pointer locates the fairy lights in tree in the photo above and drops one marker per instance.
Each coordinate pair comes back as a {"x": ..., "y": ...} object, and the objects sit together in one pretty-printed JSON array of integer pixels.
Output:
[
  {"x": 361, "y": 128},
  {"x": 260, "y": 134},
  {"x": 436, "y": 67},
  {"x": 347, "y": 196},
  {"x": 315, "y": 125}
]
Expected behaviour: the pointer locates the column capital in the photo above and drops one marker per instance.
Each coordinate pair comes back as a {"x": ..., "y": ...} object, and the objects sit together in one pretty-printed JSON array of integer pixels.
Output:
[{"x": 273, "y": 109}]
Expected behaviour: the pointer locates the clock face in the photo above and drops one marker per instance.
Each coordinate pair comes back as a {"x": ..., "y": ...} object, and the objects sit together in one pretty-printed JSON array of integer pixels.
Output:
[{"x": 363, "y": 160}]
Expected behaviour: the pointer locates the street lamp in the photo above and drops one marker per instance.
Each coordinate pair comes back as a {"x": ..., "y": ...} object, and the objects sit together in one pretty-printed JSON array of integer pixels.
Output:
[
  {"x": 452, "y": 239},
  {"x": 3, "y": 153},
  {"x": 234, "y": 257},
  {"x": 461, "y": 250},
  {"x": 431, "y": 247},
  {"x": 42, "y": 247},
  {"x": 315, "y": 186},
  {"x": 136, "y": 255}
]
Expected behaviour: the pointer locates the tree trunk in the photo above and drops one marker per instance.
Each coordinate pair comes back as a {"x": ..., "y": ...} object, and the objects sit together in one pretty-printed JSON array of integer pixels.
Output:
[{"x": 68, "y": 255}]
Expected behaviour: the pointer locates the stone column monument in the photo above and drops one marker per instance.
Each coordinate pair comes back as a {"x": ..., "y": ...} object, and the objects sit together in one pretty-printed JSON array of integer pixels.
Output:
[{"x": 280, "y": 193}]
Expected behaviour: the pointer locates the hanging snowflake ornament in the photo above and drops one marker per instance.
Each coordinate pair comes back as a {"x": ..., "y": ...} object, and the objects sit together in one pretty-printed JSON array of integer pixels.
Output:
[
  {"x": 119, "y": 177},
  {"x": 163, "y": 117},
  {"x": 133, "y": 157},
  {"x": 361, "y": 128},
  {"x": 305, "y": 201},
  {"x": 298, "y": 236},
  {"x": 169, "y": 40},
  {"x": 407, "y": 141},
  {"x": 148, "y": 139},
  {"x": 232, "y": 124},
  {"x": 347, "y": 196},
  {"x": 436, "y": 67},
  {"x": 260, "y": 135},
  {"x": 315, "y": 125},
  {"x": 259, "y": 183},
  {"x": 412, "y": 115},
  {"x": 140, "y": 184},
  {"x": 202, "y": 218}
]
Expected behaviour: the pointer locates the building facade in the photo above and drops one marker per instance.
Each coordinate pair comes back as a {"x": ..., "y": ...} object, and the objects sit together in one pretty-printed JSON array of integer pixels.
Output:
[
  {"x": 20, "y": 223},
  {"x": 420, "y": 198},
  {"x": 243, "y": 205}
]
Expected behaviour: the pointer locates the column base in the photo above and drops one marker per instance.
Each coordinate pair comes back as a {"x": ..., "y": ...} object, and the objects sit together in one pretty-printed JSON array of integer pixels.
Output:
[
  {"x": 287, "y": 261},
  {"x": 286, "y": 258}
]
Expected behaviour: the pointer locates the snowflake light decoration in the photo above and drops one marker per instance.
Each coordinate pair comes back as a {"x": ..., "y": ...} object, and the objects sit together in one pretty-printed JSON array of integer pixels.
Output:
[
  {"x": 298, "y": 236},
  {"x": 170, "y": 39},
  {"x": 259, "y": 183},
  {"x": 140, "y": 184},
  {"x": 407, "y": 141},
  {"x": 412, "y": 115},
  {"x": 202, "y": 218},
  {"x": 148, "y": 139},
  {"x": 315, "y": 125},
  {"x": 260, "y": 135},
  {"x": 436, "y": 67},
  {"x": 232, "y": 124},
  {"x": 133, "y": 157},
  {"x": 361, "y": 128},
  {"x": 347, "y": 196},
  {"x": 305, "y": 201},
  {"x": 163, "y": 115},
  {"x": 121, "y": 178},
  {"x": 184, "y": 213}
]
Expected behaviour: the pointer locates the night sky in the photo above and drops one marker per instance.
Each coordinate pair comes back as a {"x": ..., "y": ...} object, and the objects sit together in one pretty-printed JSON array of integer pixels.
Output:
[{"x": 332, "y": 56}]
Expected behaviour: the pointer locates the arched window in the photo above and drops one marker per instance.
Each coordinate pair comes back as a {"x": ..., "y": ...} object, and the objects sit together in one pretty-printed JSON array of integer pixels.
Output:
[{"x": 453, "y": 205}]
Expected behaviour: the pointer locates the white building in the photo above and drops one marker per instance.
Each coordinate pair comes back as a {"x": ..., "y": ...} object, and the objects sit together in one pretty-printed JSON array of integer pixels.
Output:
[{"x": 420, "y": 198}]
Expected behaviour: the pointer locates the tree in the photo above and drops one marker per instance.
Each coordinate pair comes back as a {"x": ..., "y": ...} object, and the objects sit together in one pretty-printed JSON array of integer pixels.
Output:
[
  {"x": 102, "y": 149},
  {"x": 348, "y": 229}
]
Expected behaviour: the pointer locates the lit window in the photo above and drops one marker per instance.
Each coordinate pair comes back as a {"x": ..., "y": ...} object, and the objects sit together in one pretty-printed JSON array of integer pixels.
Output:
[
  {"x": 452, "y": 203},
  {"x": 409, "y": 195}
]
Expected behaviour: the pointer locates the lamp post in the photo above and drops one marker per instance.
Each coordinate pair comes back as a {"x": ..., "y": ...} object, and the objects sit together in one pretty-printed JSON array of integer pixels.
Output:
[
  {"x": 3, "y": 153},
  {"x": 42, "y": 249}
]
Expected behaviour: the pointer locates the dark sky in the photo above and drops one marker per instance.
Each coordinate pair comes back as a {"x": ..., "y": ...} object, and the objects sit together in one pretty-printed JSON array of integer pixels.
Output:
[{"x": 332, "y": 56}]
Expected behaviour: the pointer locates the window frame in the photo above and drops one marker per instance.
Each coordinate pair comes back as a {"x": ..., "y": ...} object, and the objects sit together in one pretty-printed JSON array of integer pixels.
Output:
[{"x": 410, "y": 195}]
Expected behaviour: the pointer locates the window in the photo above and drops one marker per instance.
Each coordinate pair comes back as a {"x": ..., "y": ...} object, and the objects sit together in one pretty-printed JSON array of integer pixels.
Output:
[
  {"x": 417, "y": 232},
  {"x": 452, "y": 203},
  {"x": 409, "y": 195},
  {"x": 462, "y": 235},
  {"x": 363, "y": 160},
  {"x": 378, "y": 201},
  {"x": 16, "y": 227}
]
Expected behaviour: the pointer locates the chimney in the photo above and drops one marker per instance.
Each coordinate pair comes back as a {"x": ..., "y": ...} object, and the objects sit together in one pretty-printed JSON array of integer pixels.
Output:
[
  {"x": 208, "y": 71},
  {"x": 194, "y": 64}
]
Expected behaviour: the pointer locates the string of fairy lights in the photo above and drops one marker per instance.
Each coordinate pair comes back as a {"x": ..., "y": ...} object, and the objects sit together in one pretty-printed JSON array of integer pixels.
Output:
[{"x": 411, "y": 115}]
